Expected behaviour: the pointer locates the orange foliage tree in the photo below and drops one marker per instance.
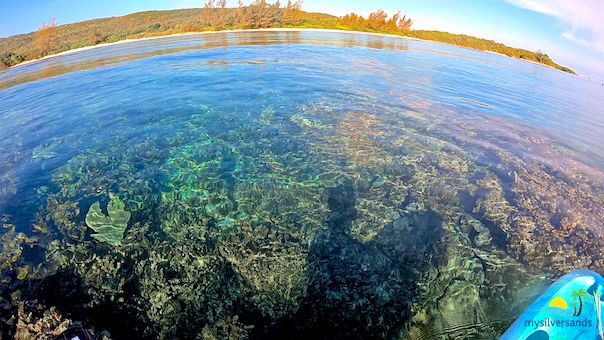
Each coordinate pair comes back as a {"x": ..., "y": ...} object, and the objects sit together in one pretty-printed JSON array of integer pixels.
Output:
[
  {"x": 241, "y": 18},
  {"x": 378, "y": 21},
  {"x": 208, "y": 18},
  {"x": 45, "y": 37},
  {"x": 404, "y": 24}
]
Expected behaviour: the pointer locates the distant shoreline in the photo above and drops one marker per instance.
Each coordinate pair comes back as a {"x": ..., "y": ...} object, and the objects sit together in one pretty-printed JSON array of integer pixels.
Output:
[
  {"x": 85, "y": 48},
  {"x": 211, "y": 32}
]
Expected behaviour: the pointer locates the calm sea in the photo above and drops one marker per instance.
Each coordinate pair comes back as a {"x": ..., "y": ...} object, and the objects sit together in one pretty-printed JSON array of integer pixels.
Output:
[{"x": 318, "y": 134}]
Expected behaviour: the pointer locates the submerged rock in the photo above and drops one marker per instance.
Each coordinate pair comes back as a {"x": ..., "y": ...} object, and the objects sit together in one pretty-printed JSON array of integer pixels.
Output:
[
  {"x": 401, "y": 224},
  {"x": 46, "y": 151},
  {"x": 379, "y": 182}
]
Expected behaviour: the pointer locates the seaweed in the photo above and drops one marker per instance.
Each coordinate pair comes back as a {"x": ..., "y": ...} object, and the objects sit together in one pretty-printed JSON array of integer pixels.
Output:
[{"x": 110, "y": 228}]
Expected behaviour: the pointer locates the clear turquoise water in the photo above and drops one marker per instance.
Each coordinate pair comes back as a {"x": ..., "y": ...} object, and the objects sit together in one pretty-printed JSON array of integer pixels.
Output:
[{"x": 170, "y": 122}]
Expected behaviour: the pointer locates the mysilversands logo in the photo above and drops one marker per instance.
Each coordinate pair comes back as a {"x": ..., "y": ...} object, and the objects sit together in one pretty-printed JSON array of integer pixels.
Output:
[
  {"x": 559, "y": 306},
  {"x": 548, "y": 322}
]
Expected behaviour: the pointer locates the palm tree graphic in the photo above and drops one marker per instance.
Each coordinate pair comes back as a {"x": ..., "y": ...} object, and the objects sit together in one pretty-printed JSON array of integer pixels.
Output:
[
  {"x": 581, "y": 293},
  {"x": 574, "y": 304}
]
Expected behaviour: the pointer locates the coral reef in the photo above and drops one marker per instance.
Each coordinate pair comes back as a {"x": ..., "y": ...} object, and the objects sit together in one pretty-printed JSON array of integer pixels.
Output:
[
  {"x": 182, "y": 277},
  {"x": 556, "y": 216},
  {"x": 23, "y": 319},
  {"x": 10, "y": 158},
  {"x": 229, "y": 328},
  {"x": 104, "y": 275},
  {"x": 468, "y": 288},
  {"x": 13, "y": 265},
  {"x": 8, "y": 185},
  {"x": 324, "y": 222},
  {"x": 269, "y": 261},
  {"x": 359, "y": 289},
  {"x": 49, "y": 325}
]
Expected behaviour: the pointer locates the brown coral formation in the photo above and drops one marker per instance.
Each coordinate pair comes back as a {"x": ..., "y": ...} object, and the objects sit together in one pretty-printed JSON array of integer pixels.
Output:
[
  {"x": 12, "y": 264},
  {"x": 467, "y": 291},
  {"x": 271, "y": 263},
  {"x": 557, "y": 219},
  {"x": 229, "y": 328},
  {"x": 49, "y": 325},
  {"x": 31, "y": 320}
]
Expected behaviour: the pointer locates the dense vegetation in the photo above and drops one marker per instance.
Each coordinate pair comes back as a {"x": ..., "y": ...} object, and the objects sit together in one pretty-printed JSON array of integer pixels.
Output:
[
  {"x": 487, "y": 45},
  {"x": 215, "y": 15}
]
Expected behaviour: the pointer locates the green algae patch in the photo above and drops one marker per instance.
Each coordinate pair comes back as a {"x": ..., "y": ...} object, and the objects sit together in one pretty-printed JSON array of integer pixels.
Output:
[{"x": 110, "y": 228}]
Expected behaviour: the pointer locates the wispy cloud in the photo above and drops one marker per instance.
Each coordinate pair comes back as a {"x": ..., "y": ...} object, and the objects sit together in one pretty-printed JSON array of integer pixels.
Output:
[
  {"x": 585, "y": 18},
  {"x": 572, "y": 36}
]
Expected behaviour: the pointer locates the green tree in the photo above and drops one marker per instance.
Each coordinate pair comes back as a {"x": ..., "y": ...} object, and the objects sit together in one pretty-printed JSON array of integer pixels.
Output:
[
  {"x": 579, "y": 294},
  {"x": 542, "y": 57},
  {"x": 96, "y": 37},
  {"x": 8, "y": 59},
  {"x": 574, "y": 304}
]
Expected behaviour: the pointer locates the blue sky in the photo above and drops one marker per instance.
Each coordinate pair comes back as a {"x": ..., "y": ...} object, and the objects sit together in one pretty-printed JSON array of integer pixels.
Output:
[{"x": 569, "y": 31}]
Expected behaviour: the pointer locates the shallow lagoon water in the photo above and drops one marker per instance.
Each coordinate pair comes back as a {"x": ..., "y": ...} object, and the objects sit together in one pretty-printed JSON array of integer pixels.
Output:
[{"x": 370, "y": 186}]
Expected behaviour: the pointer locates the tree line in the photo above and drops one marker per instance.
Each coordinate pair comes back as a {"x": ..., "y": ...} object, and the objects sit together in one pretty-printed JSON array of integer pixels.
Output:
[
  {"x": 487, "y": 45},
  {"x": 258, "y": 14},
  {"x": 217, "y": 15},
  {"x": 378, "y": 21}
]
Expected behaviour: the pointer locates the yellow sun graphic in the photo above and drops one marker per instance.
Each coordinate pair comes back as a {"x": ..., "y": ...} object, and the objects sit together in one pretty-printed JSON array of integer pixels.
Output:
[{"x": 558, "y": 303}]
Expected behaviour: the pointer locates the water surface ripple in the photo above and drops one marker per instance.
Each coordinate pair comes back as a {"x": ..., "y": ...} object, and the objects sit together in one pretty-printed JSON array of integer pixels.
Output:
[{"x": 353, "y": 181}]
